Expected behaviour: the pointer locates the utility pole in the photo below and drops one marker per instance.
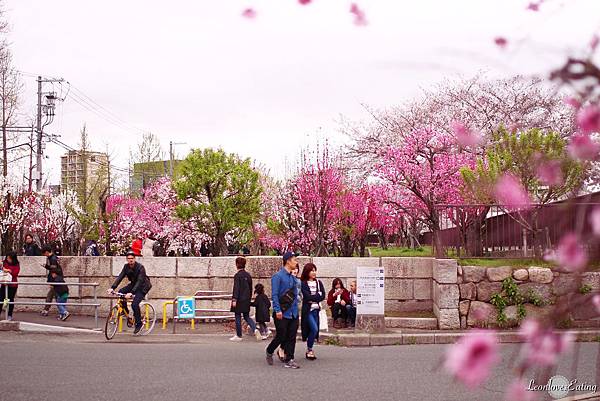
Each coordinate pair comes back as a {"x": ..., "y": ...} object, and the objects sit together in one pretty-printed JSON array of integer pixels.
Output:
[{"x": 38, "y": 176}]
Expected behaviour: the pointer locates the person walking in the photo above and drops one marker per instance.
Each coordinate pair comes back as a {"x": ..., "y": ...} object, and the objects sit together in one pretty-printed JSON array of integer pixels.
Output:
[
  {"x": 10, "y": 266},
  {"x": 285, "y": 310},
  {"x": 52, "y": 265},
  {"x": 313, "y": 292},
  {"x": 30, "y": 248},
  {"x": 62, "y": 294},
  {"x": 241, "y": 299},
  {"x": 262, "y": 306}
]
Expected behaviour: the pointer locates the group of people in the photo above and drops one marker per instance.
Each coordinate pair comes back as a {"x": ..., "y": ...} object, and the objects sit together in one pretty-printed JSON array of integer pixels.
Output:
[{"x": 296, "y": 302}]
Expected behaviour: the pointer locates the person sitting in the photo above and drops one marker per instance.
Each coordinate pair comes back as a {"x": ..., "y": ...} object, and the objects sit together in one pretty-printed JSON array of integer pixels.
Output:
[
  {"x": 351, "y": 307},
  {"x": 337, "y": 299}
]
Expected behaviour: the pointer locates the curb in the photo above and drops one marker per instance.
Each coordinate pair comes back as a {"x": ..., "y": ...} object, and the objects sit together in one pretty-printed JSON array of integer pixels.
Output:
[{"x": 45, "y": 328}]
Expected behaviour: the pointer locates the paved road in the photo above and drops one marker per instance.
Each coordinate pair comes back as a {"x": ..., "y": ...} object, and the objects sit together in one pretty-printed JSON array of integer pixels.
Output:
[{"x": 85, "y": 367}]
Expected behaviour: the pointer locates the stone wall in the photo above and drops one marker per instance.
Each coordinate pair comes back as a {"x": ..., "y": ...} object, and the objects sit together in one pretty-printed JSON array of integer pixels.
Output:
[
  {"x": 538, "y": 287},
  {"x": 408, "y": 280},
  {"x": 445, "y": 293}
]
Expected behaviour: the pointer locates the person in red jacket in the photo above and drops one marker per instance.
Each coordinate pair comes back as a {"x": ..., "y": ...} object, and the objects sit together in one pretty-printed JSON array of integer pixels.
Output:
[
  {"x": 337, "y": 299},
  {"x": 136, "y": 246},
  {"x": 11, "y": 266}
]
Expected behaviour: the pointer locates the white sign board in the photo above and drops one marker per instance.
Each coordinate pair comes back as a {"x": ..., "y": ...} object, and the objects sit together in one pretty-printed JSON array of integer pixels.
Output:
[{"x": 370, "y": 294}]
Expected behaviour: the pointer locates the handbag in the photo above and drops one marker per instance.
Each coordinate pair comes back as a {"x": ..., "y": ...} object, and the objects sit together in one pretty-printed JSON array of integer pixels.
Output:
[
  {"x": 287, "y": 299},
  {"x": 5, "y": 276}
]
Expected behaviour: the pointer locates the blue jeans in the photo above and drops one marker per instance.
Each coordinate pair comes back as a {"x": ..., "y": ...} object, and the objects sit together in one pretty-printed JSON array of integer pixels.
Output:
[
  {"x": 351, "y": 312},
  {"x": 61, "y": 300},
  {"x": 238, "y": 323},
  {"x": 313, "y": 328}
]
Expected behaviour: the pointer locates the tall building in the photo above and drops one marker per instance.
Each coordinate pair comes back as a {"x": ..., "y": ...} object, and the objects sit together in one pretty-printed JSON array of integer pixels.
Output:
[
  {"x": 78, "y": 168},
  {"x": 144, "y": 174}
]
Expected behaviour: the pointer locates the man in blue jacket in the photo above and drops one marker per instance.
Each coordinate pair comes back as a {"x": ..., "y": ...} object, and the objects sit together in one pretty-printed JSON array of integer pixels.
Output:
[{"x": 285, "y": 311}]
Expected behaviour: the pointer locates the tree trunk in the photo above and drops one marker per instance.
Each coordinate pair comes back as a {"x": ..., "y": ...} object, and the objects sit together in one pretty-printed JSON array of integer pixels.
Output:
[{"x": 220, "y": 245}]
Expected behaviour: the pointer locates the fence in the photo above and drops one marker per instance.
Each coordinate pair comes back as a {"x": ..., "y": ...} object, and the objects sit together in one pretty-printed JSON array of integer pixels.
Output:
[
  {"x": 202, "y": 295},
  {"x": 495, "y": 231},
  {"x": 94, "y": 286}
]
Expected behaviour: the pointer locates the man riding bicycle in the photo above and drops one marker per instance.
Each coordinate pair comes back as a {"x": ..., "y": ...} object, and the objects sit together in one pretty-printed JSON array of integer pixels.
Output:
[{"x": 137, "y": 289}]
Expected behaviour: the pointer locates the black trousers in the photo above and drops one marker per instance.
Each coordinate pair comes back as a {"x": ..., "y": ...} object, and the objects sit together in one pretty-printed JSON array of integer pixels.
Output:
[
  {"x": 12, "y": 291},
  {"x": 49, "y": 298},
  {"x": 285, "y": 337},
  {"x": 135, "y": 304},
  {"x": 338, "y": 312}
]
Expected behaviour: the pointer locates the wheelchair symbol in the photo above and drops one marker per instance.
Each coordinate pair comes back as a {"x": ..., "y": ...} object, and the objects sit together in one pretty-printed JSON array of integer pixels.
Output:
[{"x": 185, "y": 308}]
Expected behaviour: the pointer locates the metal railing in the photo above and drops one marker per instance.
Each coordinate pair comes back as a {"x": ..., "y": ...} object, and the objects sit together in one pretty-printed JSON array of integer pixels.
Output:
[
  {"x": 202, "y": 295},
  {"x": 94, "y": 286}
]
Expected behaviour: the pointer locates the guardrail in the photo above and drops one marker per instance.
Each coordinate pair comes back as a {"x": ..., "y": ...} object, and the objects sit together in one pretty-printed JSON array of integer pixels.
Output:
[
  {"x": 95, "y": 305},
  {"x": 198, "y": 296}
]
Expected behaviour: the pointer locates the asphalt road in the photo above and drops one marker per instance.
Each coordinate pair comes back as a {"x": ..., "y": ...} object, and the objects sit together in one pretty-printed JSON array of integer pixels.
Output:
[{"x": 85, "y": 367}]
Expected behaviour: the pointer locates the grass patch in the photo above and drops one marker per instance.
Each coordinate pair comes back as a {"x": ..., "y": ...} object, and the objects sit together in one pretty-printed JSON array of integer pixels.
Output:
[
  {"x": 333, "y": 341},
  {"x": 503, "y": 262},
  {"x": 401, "y": 251}
]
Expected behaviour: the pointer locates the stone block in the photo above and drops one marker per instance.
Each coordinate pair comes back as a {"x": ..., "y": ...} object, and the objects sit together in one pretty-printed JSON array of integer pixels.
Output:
[
  {"x": 6, "y": 325},
  {"x": 541, "y": 275},
  {"x": 446, "y": 338},
  {"x": 463, "y": 307},
  {"x": 448, "y": 319},
  {"x": 585, "y": 311},
  {"x": 537, "y": 312},
  {"x": 521, "y": 274},
  {"x": 486, "y": 289},
  {"x": 543, "y": 291},
  {"x": 399, "y": 289},
  {"x": 86, "y": 266},
  {"x": 482, "y": 314},
  {"x": 426, "y": 323},
  {"x": 446, "y": 295},
  {"x": 222, "y": 266},
  {"x": 473, "y": 274},
  {"x": 565, "y": 284},
  {"x": 162, "y": 287},
  {"x": 104, "y": 283},
  {"x": 463, "y": 322},
  {"x": 370, "y": 324},
  {"x": 266, "y": 266},
  {"x": 155, "y": 267},
  {"x": 445, "y": 271},
  {"x": 418, "y": 338},
  {"x": 342, "y": 267},
  {"x": 468, "y": 291},
  {"x": 407, "y": 267},
  {"x": 193, "y": 267},
  {"x": 591, "y": 279},
  {"x": 32, "y": 266},
  {"x": 411, "y": 305},
  {"x": 422, "y": 288},
  {"x": 511, "y": 313},
  {"x": 386, "y": 339},
  {"x": 498, "y": 273}
]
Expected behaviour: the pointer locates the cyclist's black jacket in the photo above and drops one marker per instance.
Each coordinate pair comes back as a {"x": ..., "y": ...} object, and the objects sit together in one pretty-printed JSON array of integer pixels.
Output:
[{"x": 137, "y": 276}]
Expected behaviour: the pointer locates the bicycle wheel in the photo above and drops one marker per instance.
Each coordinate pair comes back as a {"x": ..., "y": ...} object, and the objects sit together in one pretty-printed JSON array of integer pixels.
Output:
[
  {"x": 148, "y": 317},
  {"x": 112, "y": 323}
]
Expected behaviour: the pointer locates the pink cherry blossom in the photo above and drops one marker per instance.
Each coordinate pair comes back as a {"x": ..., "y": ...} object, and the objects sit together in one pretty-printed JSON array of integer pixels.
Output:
[
  {"x": 570, "y": 254},
  {"x": 588, "y": 119},
  {"x": 533, "y": 6},
  {"x": 510, "y": 193},
  {"x": 583, "y": 147},
  {"x": 545, "y": 346},
  {"x": 529, "y": 329},
  {"x": 501, "y": 42},
  {"x": 517, "y": 391},
  {"x": 550, "y": 173},
  {"x": 594, "y": 42},
  {"x": 249, "y": 13},
  {"x": 571, "y": 101},
  {"x": 464, "y": 135},
  {"x": 595, "y": 221},
  {"x": 304, "y": 2},
  {"x": 470, "y": 359},
  {"x": 359, "y": 15},
  {"x": 596, "y": 303}
]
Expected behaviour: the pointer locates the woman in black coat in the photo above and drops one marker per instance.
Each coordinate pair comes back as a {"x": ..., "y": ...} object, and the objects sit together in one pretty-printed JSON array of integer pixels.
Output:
[
  {"x": 313, "y": 292},
  {"x": 241, "y": 298}
]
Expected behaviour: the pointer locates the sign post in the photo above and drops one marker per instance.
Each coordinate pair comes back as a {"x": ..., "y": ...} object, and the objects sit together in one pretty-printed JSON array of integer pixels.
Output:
[
  {"x": 370, "y": 301},
  {"x": 186, "y": 308}
]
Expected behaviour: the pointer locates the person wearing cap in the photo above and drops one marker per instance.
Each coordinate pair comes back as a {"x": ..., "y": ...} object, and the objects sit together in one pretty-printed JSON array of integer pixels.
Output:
[
  {"x": 284, "y": 294},
  {"x": 137, "y": 288}
]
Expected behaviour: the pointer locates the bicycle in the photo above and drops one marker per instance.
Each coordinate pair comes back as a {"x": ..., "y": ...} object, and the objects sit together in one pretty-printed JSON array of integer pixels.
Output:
[{"x": 114, "y": 320}]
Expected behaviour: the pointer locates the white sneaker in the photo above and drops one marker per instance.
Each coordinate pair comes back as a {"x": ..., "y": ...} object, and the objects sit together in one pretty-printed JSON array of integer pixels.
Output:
[
  {"x": 264, "y": 337},
  {"x": 235, "y": 339},
  {"x": 269, "y": 332},
  {"x": 257, "y": 335}
]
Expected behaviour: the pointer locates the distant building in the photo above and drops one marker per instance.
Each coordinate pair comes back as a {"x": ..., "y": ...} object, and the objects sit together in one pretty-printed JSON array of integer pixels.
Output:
[
  {"x": 78, "y": 168},
  {"x": 144, "y": 174}
]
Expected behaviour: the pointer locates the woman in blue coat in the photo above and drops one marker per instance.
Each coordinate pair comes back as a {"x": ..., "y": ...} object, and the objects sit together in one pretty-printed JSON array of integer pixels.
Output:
[{"x": 313, "y": 292}]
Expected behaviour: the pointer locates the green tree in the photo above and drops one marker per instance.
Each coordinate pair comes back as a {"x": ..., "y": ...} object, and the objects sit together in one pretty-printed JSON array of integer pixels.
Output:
[{"x": 220, "y": 194}]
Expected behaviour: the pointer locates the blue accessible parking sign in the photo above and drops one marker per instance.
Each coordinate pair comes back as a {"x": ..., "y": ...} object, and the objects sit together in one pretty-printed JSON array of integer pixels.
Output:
[{"x": 185, "y": 308}]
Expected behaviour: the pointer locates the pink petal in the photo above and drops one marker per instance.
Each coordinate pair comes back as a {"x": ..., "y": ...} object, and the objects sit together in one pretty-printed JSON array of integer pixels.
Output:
[
  {"x": 470, "y": 359},
  {"x": 596, "y": 303},
  {"x": 533, "y": 7},
  {"x": 249, "y": 13},
  {"x": 517, "y": 391},
  {"x": 464, "y": 136},
  {"x": 501, "y": 42},
  {"x": 359, "y": 15},
  {"x": 595, "y": 221},
  {"x": 550, "y": 173},
  {"x": 529, "y": 329},
  {"x": 510, "y": 193},
  {"x": 570, "y": 254},
  {"x": 582, "y": 147},
  {"x": 571, "y": 101},
  {"x": 304, "y": 2},
  {"x": 594, "y": 42},
  {"x": 588, "y": 119}
]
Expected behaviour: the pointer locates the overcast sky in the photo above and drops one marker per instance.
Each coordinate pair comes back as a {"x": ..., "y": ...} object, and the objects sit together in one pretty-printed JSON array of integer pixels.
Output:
[{"x": 195, "y": 71}]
